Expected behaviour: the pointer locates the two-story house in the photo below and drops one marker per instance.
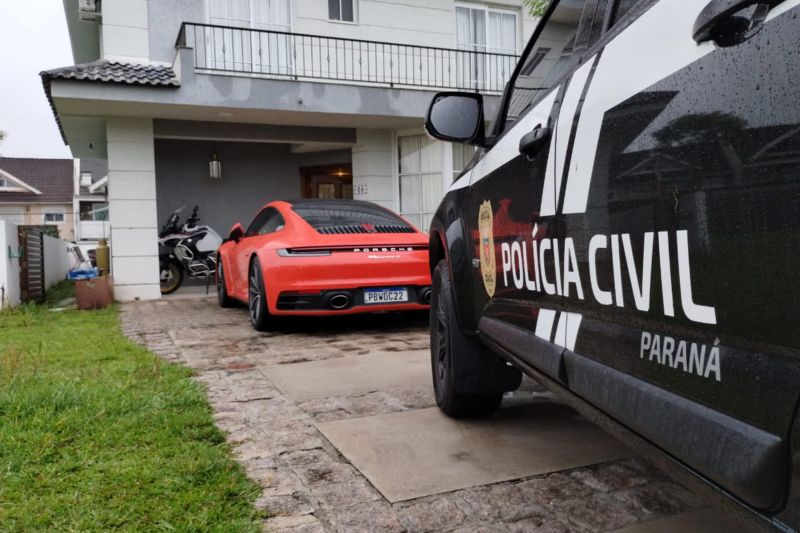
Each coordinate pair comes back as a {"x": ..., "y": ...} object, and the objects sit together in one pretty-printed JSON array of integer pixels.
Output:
[{"x": 228, "y": 104}]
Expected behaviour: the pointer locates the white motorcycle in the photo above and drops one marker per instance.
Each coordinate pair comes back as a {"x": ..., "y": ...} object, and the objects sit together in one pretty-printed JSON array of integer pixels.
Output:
[{"x": 186, "y": 249}]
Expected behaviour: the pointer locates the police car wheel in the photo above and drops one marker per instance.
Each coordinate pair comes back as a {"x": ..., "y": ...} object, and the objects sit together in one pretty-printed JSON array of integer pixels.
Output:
[{"x": 453, "y": 356}]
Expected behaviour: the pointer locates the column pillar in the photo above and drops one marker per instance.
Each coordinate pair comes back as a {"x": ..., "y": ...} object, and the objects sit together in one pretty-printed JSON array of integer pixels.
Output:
[
  {"x": 373, "y": 177},
  {"x": 132, "y": 208}
]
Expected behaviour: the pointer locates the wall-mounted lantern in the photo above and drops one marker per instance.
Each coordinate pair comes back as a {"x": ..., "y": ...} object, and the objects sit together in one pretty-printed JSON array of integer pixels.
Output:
[{"x": 215, "y": 167}]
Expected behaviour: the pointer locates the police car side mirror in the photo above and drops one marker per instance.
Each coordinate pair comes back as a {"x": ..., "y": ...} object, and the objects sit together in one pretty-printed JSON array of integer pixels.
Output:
[{"x": 456, "y": 117}]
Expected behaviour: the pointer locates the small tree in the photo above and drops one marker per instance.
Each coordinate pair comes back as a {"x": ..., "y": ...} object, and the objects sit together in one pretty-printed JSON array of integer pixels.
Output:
[
  {"x": 3, "y": 136},
  {"x": 536, "y": 8}
]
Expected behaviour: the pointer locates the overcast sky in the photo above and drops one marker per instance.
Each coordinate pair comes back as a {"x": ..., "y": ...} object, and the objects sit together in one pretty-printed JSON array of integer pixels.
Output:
[{"x": 33, "y": 37}]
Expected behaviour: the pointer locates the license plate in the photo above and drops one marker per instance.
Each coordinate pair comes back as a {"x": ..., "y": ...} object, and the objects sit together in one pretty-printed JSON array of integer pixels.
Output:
[{"x": 388, "y": 295}]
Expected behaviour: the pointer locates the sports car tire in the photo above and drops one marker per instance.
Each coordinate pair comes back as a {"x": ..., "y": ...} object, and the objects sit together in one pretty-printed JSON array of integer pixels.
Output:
[
  {"x": 222, "y": 289},
  {"x": 257, "y": 297},
  {"x": 468, "y": 380}
]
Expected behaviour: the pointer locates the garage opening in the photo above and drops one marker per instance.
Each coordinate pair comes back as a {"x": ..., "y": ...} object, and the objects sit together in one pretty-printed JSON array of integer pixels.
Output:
[{"x": 327, "y": 181}]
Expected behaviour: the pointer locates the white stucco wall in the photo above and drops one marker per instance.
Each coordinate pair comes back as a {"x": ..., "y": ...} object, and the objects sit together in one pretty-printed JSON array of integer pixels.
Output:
[
  {"x": 132, "y": 208},
  {"x": 9, "y": 268},
  {"x": 419, "y": 22},
  {"x": 124, "y": 33},
  {"x": 56, "y": 260}
]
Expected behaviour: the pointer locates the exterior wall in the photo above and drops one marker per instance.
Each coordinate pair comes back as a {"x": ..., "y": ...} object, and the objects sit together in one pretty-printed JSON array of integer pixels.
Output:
[
  {"x": 420, "y": 22},
  {"x": 164, "y": 23},
  {"x": 33, "y": 215},
  {"x": 373, "y": 161},
  {"x": 124, "y": 32},
  {"x": 56, "y": 260},
  {"x": 9, "y": 268},
  {"x": 132, "y": 208},
  {"x": 14, "y": 213},
  {"x": 252, "y": 175}
]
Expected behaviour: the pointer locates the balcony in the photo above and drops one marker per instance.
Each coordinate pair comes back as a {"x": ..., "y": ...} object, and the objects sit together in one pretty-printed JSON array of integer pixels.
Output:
[
  {"x": 297, "y": 56},
  {"x": 91, "y": 230}
]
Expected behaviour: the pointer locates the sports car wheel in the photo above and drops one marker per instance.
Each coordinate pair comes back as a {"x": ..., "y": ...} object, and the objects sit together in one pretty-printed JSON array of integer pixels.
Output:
[
  {"x": 468, "y": 380},
  {"x": 257, "y": 298},
  {"x": 171, "y": 275},
  {"x": 222, "y": 290}
]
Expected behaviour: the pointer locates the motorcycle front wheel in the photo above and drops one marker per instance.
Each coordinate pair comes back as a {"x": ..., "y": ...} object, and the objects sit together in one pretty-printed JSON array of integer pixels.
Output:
[{"x": 171, "y": 276}]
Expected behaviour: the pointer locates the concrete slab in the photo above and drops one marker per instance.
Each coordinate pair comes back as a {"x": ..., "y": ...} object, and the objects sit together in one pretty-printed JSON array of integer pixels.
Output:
[
  {"x": 351, "y": 375},
  {"x": 418, "y": 453},
  {"x": 697, "y": 521}
]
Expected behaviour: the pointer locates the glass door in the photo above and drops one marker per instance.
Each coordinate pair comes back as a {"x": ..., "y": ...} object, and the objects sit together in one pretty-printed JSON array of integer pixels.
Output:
[
  {"x": 470, "y": 37},
  {"x": 481, "y": 31},
  {"x": 273, "y": 52},
  {"x": 232, "y": 45}
]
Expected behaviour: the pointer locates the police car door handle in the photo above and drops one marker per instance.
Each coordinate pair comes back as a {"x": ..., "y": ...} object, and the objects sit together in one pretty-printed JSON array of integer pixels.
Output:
[
  {"x": 722, "y": 22},
  {"x": 532, "y": 142}
]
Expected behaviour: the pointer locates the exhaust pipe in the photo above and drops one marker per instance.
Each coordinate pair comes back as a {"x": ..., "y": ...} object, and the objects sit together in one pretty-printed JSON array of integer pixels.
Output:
[
  {"x": 426, "y": 295},
  {"x": 339, "y": 301}
]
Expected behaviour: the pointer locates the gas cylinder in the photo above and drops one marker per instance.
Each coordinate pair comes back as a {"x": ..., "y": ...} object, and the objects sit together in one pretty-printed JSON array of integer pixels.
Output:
[{"x": 102, "y": 256}]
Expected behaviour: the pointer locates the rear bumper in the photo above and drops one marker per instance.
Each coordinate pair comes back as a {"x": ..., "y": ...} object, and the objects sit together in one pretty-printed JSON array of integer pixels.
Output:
[
  {"x": 306, "y": 285},
  {"x": 347, "y": 301}
]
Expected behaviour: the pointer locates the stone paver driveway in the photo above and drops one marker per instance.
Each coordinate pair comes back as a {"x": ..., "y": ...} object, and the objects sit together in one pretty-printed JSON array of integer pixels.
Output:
[{"x": 309, "y": 485}]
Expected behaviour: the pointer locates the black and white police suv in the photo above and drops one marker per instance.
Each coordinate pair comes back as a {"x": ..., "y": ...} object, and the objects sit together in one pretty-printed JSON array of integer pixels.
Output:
[{"x": 628, "y": 233}]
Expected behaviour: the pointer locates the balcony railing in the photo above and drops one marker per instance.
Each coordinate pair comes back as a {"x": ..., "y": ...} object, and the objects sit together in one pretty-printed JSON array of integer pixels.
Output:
[
  {"x": 91, "y": 230},
  {"x": 300, "y": 56}
]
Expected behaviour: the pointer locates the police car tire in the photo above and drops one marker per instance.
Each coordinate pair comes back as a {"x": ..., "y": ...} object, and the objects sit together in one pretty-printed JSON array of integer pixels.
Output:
[{"x": 454, "y": 355}]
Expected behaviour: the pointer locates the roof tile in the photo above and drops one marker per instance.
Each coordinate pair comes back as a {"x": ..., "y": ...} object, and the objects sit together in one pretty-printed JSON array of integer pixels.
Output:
[{"x": 109, "y": 72}]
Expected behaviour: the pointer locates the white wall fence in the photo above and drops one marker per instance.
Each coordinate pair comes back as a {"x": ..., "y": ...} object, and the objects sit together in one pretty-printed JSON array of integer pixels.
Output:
[
  {"x": 9, "y": 265},
  {"x": 56, "y": 263},
  {"x": 56, "y": 260}
]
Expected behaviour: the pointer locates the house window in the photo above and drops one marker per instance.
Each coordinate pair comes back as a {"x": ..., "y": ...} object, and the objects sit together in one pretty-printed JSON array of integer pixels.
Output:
[
  {"x": 420, "y": 173},
  {"x": 490, "y": 35},
  {"x": 3, "y": 183},
  {"x": 54, "y": 216},
  {"x": 86, "y": 179},
  {"x": 341, "y": 10}
]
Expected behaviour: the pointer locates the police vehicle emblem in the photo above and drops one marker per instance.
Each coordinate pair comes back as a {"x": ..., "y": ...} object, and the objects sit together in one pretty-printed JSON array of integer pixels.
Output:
[{"x": 488, "y": 265}]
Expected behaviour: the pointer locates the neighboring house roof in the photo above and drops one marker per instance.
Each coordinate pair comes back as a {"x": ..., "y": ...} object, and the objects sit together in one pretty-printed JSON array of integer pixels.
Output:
[
  {"x": 104, "y": 71},
  {"x": 51, "y": 178},
  {"x": 14, "y": 184}
]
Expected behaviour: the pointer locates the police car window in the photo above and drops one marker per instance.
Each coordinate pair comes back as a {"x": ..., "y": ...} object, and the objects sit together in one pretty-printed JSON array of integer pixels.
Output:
[
  {"x": 622, "y": 7},
  {"x": 572, "y": 27}
]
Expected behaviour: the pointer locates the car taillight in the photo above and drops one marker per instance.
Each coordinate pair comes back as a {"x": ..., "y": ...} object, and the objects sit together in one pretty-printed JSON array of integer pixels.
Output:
[{"x": 302, "y": 252}]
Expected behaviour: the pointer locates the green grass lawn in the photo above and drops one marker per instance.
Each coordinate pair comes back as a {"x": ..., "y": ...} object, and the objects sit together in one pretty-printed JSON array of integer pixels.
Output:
[{"x": 97, "y": 433}]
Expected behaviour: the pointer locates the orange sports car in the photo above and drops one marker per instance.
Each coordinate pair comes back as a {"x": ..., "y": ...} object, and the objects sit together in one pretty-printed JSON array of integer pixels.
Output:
[{"x": 324, "y": 257}]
